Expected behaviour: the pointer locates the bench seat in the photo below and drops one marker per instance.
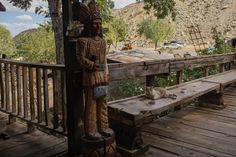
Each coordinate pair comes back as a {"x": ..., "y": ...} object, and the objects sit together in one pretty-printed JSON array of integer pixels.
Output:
[{"x": 139, "y": 110}]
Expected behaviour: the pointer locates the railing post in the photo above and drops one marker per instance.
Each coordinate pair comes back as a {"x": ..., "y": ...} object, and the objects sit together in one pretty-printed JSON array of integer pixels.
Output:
[
  {"x": 206, "y": 71},
  {"x": 222, "y": 67},
  {"x": 179, "y": 77},
  {"x": 150, "y": 80}
]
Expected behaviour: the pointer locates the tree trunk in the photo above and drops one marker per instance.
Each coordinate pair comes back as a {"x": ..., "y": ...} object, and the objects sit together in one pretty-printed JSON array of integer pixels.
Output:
[
  {"x": 56, "y": 16},
  {"x": 57, "y": 24}
]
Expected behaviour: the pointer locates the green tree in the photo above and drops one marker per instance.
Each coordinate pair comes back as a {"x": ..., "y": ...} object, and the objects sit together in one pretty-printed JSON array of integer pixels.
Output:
[
  {"x": 37, "y": 45},
  {"x": 115, "y": 31},
  {"x": 6, "y": 43},
  {"x": 162, "y": 8},
  {"x": 156, "y": 30}
]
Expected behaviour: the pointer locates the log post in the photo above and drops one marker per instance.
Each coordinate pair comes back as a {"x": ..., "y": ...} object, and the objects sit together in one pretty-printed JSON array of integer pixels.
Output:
[
  {"x": 179, "y": 77},
  {"x": 150, "y": 80},
  {"x": 206, "y": 71},
  {"x": 222, "y": 68}
]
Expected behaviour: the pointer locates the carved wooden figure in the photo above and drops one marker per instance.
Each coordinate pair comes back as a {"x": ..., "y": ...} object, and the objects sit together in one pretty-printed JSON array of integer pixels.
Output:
[{"x": 91, "y": 55}]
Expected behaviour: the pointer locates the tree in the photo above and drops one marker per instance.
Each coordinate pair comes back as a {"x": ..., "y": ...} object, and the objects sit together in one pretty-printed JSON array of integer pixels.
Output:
[
  {"x": 115, "y": 31},
  {"x": 162, "y": 8},
  {"x": 37, "y": 45},
  {"x": 156, "y": 30},
  {"x": 6, "y": 43}
]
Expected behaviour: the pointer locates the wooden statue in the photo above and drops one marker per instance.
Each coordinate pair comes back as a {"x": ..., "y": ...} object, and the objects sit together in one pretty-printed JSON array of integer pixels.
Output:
[{"x": 91, "y": 55}]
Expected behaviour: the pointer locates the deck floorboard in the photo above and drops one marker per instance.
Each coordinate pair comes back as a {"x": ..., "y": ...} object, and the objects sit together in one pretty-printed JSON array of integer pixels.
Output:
[{"x": 196, "y": 131}]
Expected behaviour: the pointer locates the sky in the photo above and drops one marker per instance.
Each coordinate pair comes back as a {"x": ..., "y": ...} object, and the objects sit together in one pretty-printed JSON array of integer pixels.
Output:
[{"x": 17, "y": 20}]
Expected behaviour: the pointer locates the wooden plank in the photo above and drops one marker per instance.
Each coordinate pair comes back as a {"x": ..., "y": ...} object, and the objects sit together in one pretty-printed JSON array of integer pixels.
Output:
[
  {"x": 33, "y": 65},
  {"x": 55, "y": 150},
  {"x": 189, "y": 136},
  {"x": 181, "y": 148},
  {"x": 196, "y": 62},
  {"x": 39, "y": 95},
  {"x": 142, "y": 107},
  {"x": 2, "y": 88},
  {"x": 128, "y": 71},
  {"x": 13, "y": 88},
  {"x": 7, "y": 87},
  {"x": 19, "y": 90},
  {"x": 45, "y": 96},
  {"x": 153, "y": 152},
  {"x": 55, "y": 102},
  {"x": 34, "y": 145},
  {"x": 25, "y": 91}
]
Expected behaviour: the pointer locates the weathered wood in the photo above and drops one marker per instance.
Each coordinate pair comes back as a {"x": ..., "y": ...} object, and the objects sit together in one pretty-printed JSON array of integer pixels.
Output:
[
  {"x": 222, "y": 68},
  {"x": 45, "y": 96},
  {"x": 2, "y": 87},
  {"x": 150, "y": 80},
  {"x": 223, "y": 79},
  {"x": 13, "y": 88},
  {"x": 212, "y": 99},
  {"x": 7, "y": 87},
  {"x": 39, "y": 95},
  {"x": 206, "y": 71},
  {"x": 25, "y": 91},
  {"x": 32, "y": 65},
  {"x": 55, "y": 102},
  {"x": 196, "y": 62},
  {"x": 31, "y": 95},
  {"x": 179, "y": 77},
  {"x": 64, "y": 116},
  {"x": 131, "y": 70},
  {"x": 19, "y": 90},
  {"x": 121, "y": 71}
]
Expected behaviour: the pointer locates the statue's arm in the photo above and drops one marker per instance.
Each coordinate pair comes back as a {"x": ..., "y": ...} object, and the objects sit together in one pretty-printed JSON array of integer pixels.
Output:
[{"x": 81, "y": 47}]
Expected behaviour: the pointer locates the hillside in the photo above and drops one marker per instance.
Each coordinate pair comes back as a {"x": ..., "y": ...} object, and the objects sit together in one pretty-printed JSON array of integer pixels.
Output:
[{"x": 205, "y": 13}]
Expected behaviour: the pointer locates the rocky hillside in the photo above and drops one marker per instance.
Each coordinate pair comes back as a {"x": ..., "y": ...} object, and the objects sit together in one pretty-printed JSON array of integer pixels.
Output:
[{"x": 205, "y": 13}]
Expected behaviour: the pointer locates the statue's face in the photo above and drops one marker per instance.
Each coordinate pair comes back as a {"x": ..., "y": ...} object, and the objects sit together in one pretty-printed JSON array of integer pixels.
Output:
[{"x": 97, "y": 26}]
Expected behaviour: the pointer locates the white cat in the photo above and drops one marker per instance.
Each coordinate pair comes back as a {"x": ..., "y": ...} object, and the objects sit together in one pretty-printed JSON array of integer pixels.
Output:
[{"x": 158, "y": 93}]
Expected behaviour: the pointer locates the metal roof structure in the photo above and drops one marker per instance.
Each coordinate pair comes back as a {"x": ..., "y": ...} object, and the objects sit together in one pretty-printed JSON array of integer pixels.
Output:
[{"x": 137, "y": 55}]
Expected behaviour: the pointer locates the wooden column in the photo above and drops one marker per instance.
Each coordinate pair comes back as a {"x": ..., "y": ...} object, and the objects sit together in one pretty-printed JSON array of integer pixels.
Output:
[
  {"x": 222, "y": 68},
  {"x": 150, "y": 80},
  {"x": 74, "y": 94},
  {"x": 206, "y": 71},
  {"x": 179, "y": 77}
]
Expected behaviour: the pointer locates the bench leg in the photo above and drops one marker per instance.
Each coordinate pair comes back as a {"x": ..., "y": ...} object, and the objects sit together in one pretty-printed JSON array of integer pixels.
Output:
[
  {"x": 212, "y": 100},
  {"x": 129, "y": 140}
]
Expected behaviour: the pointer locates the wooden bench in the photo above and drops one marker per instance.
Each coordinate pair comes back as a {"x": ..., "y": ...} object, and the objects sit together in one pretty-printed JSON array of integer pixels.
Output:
[{"x": 128, "y": 115}]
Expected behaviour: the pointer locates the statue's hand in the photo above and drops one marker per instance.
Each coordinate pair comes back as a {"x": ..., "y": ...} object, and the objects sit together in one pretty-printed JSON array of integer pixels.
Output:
[{"x": 99, "y": 67}]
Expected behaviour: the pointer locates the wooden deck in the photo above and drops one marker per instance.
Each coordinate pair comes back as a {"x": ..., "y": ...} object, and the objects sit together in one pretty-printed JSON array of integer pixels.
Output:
[
  {"x": 191, "y": 132},
  {"x": 37, "y": 144},
  {"x": 195, "y": 131}
]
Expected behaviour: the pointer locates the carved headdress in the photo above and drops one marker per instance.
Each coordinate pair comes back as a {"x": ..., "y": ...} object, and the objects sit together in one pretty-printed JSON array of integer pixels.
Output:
[
  {"x": 84, "y": 13},
  {"x": 82, "y": 17}
]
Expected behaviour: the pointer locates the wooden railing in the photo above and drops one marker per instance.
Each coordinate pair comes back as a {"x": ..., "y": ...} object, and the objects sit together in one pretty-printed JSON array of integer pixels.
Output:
[
  {"x": 119, "y": 71},
  {"x": 28, "y": 91}
]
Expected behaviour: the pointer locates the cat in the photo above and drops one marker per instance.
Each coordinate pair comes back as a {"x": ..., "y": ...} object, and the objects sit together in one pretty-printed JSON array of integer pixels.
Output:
[{"x": 158, "y": 93}]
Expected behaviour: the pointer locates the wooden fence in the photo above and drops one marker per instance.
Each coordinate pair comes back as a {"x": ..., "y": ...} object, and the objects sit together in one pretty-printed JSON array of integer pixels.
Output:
[{"x": 28, "y": 91}]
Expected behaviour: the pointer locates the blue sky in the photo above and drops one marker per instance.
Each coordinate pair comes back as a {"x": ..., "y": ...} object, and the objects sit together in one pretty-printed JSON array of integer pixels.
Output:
[{"x": 16, "y": 20}]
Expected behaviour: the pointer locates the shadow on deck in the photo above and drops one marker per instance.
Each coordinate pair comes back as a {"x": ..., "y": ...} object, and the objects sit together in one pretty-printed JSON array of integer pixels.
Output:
[{"x": 193, "y": 131}]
